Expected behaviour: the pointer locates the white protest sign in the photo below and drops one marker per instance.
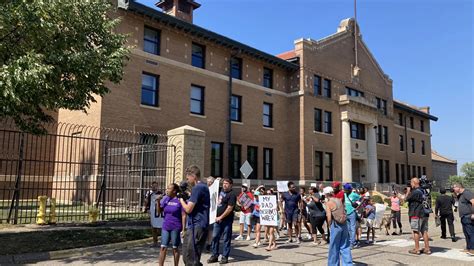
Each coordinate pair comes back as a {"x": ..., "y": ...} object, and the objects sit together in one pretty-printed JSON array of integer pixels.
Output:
[
  {"x": 312, "y": 185},
  {"x": 214, "y": 193},
  {"x": 282, "y": 186},
  {"x": 379, "y": 212},
  {"x": 268, "y": 210}
]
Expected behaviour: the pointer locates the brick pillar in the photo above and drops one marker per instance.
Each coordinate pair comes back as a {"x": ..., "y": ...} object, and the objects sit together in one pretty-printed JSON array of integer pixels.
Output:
[{"x": 188, "y": 143}]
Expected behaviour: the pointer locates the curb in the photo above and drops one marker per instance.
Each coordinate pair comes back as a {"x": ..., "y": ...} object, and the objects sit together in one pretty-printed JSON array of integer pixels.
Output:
[{"x": 68, "y": 253}]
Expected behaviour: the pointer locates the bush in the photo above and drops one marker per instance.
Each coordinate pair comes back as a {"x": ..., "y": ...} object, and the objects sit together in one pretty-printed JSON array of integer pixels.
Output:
[
  {"x": 388, "y": 201},
  {"x": 435, "y": 195},
  {"x": 377, "y": 199}
]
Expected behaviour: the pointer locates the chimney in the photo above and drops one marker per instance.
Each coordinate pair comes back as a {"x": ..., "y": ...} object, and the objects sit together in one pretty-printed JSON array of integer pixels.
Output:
[
  {"x": 425, "y": 109},
  {"x": 182, "y": 9}
]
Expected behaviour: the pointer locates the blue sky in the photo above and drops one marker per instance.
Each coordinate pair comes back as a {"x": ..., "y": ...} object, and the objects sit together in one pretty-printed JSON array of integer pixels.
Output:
[{"x": 425, "y": 46}]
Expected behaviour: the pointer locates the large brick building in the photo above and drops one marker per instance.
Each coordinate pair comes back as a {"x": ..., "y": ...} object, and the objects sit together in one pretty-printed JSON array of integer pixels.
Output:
[{"x": 322, "y": 111}]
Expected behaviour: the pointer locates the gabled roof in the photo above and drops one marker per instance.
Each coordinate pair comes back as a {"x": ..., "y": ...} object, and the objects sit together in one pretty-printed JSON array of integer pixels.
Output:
[
  {"x": 191, "y": 29},
  {"x": 412, "y": 109},
  {"x": 435, "y": 156}
]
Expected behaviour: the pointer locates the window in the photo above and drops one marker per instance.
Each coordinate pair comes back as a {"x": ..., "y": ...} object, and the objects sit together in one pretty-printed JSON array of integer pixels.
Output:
[
  {"x": 387, "y": 171},
  {"x": 148, "y": 157},
  {"x": 151, "y": 41},
  {"x": 328, "y": 165},
  {"x": 236, "y": 69},
  {"x": 423, "y": 148},
  {"x": 357, "y": 131},
  {"x": 267, "y": 78},
  {"x": 236, "y": 108},
  {"x": 150, "y": 84},
  {"x": 267, "y": 163},
  {"x": 252, "y": 158},
  {"x": 419, "y": 171},
  {"x": 354, "y": 92},
  {"x": 318, "y": 120},
  {"x": 412, "y": 122},
  {"x": 327, "y": 88},
  {"x": 397, "y": 173},
  {"x": 402, "y": 170},
  {"x": 412, "y": 145},
  {"x": 327, "y": 127},
  {"x": 382, "y": 105},
  {"x": 318, "y": 165},
  {"x": 400, "y": 119},
  {"x": 378, "y": 134},
  {"x": 267, "y": 115},
  {"x": 402, "y": 146},
  {"x": 414, "y": 170},
  {"x": 380, "y": 169},
  {"x": 422, "y": 126},
  {"x": 197, "y": 100},
  {"x": 216, "y": 158},
  {"x": 424, "y": 170},
  {"x": 235, "y": 165},
  {"x": 317, "y": 85},
  {"x": 199, "y": 55},
  {"x": 408, "y": 172},
  {"x": 385, "y": 135}
]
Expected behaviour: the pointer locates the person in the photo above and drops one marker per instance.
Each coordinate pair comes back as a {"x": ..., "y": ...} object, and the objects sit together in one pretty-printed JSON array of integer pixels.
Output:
[
  {"x": 223, "y": 225},
  {"x": 173, "y": 223},
  {"x": 256, "y": 215},
  {"x": 338, "y": 193},
  {"x": 444, "y": 210},
  {"x": 351, "y": 203},
  {"x": 303, "y": 217},
  {"x": 197, "y": 210},
  {"x": 370, "y": 214},
  {"x": 152, "y": 199},
  {"x": 417, "y": 218},
  {"x": 395, "y": 203},
  {"x": 293, "y": 206},
  {"x": 210, "y": 180},
  {"x": 245, "y": 212},
  {"x": 339, "y": 245},
  {"x": 271, "y": 231},
  {"x": 466, "y": 211},
  {"x": 317, "y": 215}
]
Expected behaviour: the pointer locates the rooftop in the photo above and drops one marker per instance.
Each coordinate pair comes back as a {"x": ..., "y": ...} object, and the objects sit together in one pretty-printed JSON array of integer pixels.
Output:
[{"x": 435, "y": 156}]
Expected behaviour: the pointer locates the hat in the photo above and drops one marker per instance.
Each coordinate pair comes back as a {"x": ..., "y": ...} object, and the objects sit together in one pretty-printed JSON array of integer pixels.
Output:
[
  {"x": 260, "y": 187},
  {"x": 347, "y": 186},
  {"x": 328, "y": 190},
  {"x": 245, "y": 185},
  {"x": 256, "y": 193},
  {"x": 336, "y": 184}
]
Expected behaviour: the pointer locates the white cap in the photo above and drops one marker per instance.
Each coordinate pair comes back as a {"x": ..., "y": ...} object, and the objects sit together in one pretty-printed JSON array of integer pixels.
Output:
[
  {"x": 328, "y": 190},
  {"x": 245, "y": 185}
]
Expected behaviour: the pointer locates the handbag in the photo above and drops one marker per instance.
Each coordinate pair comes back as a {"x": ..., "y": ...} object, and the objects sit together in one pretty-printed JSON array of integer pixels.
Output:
[{"x": 437, "y": 221}]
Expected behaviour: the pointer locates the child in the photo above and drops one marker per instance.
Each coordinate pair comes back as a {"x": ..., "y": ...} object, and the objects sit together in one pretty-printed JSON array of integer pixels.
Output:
[{"x": 370, "y": 213}]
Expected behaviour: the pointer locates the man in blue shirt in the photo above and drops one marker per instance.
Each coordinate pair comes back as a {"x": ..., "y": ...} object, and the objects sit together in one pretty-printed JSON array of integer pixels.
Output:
[
  {"x": 197, "y": 209},
  {"x": 351, "y": 200},
  {"x": 293, "y": 206}
]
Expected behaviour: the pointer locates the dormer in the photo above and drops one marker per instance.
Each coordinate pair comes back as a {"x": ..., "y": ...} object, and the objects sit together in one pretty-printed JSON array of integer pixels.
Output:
[{"x": 182, "y": 9}]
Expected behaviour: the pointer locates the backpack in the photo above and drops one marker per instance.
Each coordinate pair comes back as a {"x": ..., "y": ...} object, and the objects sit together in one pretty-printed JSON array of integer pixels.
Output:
[{"x": 339, "y": 214}]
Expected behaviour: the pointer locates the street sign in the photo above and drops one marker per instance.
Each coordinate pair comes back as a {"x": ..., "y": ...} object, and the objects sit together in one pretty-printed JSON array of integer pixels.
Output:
[{"x": 246, "y": 169}]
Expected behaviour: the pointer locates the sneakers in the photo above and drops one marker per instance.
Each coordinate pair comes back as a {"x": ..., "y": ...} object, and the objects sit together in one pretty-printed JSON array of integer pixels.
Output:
[
  {"x": 277, "y": 237},
  {"x": 256, "y": 245},
  {"x": 394, "y": 233},
  {"x": 224, "y": 260},
  {"x": 298, "y": 241},
  {"x": 470, "y": 252},
  {"x": 454, "y": 239},
  {"x": 308, "y": 236},
  {"x": 212, "y": 259},
  {"x": 289, "y": 241},
  {"x": 367, "y": 242},
  {"x": 239, "y": 238},
  {"x": 248, "y": 238},
  {"x": 443, "y": 237}
]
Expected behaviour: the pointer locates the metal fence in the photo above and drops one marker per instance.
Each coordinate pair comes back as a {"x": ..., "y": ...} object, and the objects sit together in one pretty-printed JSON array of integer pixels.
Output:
[{"x": 81, "y": 167}]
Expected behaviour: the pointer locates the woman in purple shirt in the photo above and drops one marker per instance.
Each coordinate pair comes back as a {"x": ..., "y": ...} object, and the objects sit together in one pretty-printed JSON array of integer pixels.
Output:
[{"x": 173, "y": 223}]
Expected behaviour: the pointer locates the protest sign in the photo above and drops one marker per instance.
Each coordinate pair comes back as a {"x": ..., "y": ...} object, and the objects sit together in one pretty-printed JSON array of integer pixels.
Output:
[
  {"x": 282, "y": 186},
  {"x": 268, "y": 210},
  {"x": 214, "y": 193},
  {"x": 245, "y": 201}
]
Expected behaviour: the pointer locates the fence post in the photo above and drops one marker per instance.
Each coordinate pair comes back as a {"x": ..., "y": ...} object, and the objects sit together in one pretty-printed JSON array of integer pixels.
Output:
[
  {"x": 16, "y": 194},
  {"x": 142, "y": 159},
  {"x": 103, "y": 187}
]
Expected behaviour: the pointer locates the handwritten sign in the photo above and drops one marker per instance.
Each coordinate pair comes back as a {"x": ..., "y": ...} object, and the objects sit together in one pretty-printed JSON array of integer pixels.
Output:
[
  {"x": 214, "y": 192},
  {"x": 245, "y": 201},
  {"x": 282, "y": 186},
  {"x": 268, "y": 210}
]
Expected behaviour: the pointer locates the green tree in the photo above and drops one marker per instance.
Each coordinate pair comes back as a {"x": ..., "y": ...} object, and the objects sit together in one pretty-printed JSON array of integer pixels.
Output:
[
  {"x": 467, "y": 175},
  {"x": 56, "y": 54},
  {"x": 467, "y": 169}
]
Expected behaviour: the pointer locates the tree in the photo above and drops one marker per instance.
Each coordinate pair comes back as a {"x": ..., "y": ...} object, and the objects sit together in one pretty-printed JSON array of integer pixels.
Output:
[
  {"x": 56, "y": 54},
  {"x": 467, "y": 175},
  {"x": 467, "y": 169}
]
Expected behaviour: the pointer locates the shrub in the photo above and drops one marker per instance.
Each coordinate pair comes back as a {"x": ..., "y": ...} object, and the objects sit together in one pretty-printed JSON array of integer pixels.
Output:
[
  {"x": 388, "y": 201},
  {"x": 377, "y": 199}
]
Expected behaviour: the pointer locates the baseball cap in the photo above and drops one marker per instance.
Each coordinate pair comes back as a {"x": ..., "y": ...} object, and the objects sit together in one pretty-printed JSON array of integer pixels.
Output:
[
  {"x": 336, "y": 184},
  {"x": 245, "y": 185},
  {"x": 348, "y": 186},
  {"x": 328, "y": 190}
]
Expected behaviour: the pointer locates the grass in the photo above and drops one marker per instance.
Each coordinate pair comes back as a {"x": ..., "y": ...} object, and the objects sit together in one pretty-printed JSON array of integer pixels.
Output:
[{"x": 42, "y": 241}]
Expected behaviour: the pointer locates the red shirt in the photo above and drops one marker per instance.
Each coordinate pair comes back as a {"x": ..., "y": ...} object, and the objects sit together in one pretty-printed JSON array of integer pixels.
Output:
[
  {"x": 249, "y": 194},
  {"x": 340, "y": 195}
]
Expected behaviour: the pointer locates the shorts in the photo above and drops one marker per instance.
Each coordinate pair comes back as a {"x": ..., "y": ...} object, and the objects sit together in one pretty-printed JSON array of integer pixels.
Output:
[
  {"x": 245, "y": 218},
  {"x": 369, "y": 223},
  {"x": 255, "y": 220},
  {"x": 170, "y": 237},
  {"x": 292, "y": 216},
  {"x": 419, "y": 224}
]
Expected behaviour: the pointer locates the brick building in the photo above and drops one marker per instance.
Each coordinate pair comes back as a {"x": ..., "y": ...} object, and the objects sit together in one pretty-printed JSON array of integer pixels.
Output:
[
  {"x": 443, "y": 168},
  {"x": 322, "y": 111}
]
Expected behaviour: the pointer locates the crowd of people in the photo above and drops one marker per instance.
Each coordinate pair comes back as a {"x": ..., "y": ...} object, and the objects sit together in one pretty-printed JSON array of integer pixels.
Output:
[{"x": 333, "y": 215}]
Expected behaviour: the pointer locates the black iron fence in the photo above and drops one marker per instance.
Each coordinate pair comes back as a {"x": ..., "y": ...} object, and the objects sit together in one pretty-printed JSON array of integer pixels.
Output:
[{"x": 82, "y": 168}]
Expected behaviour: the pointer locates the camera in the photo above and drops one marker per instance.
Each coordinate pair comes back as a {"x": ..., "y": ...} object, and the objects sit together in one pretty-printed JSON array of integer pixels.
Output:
[{"x": 183, "y": 191}]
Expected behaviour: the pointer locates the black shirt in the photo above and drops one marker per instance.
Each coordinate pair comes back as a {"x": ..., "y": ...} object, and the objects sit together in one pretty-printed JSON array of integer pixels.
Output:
[
  {"x": 415, "y": 203},
  {"x": 226, "y": 199},
  {"x": 444, "y": 204}
]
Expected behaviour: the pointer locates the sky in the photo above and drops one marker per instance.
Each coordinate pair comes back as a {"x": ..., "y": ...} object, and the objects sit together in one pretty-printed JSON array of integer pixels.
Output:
[{"x": 425, "y": 46}]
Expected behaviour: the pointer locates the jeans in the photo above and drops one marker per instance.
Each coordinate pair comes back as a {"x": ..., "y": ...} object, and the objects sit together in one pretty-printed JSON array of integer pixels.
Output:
[
  {"x": 450, "y": 218},
  {"x": 339, "y": 245},
  {"x": 351, "y": 223},
  {"x": 222, "y": 228},
  {"x": 170, "y": 237},
  {"x": 193, "y": 245},
  {"x": 468, "y": 230}
]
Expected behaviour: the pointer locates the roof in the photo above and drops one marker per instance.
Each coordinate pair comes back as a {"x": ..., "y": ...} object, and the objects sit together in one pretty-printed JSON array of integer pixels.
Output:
[
  {"x": 412, "y": 109},
  {"x": 287, "y": 55},
  {"x": 435, "y": 156},
  {"x": 191, "y": 29}
]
